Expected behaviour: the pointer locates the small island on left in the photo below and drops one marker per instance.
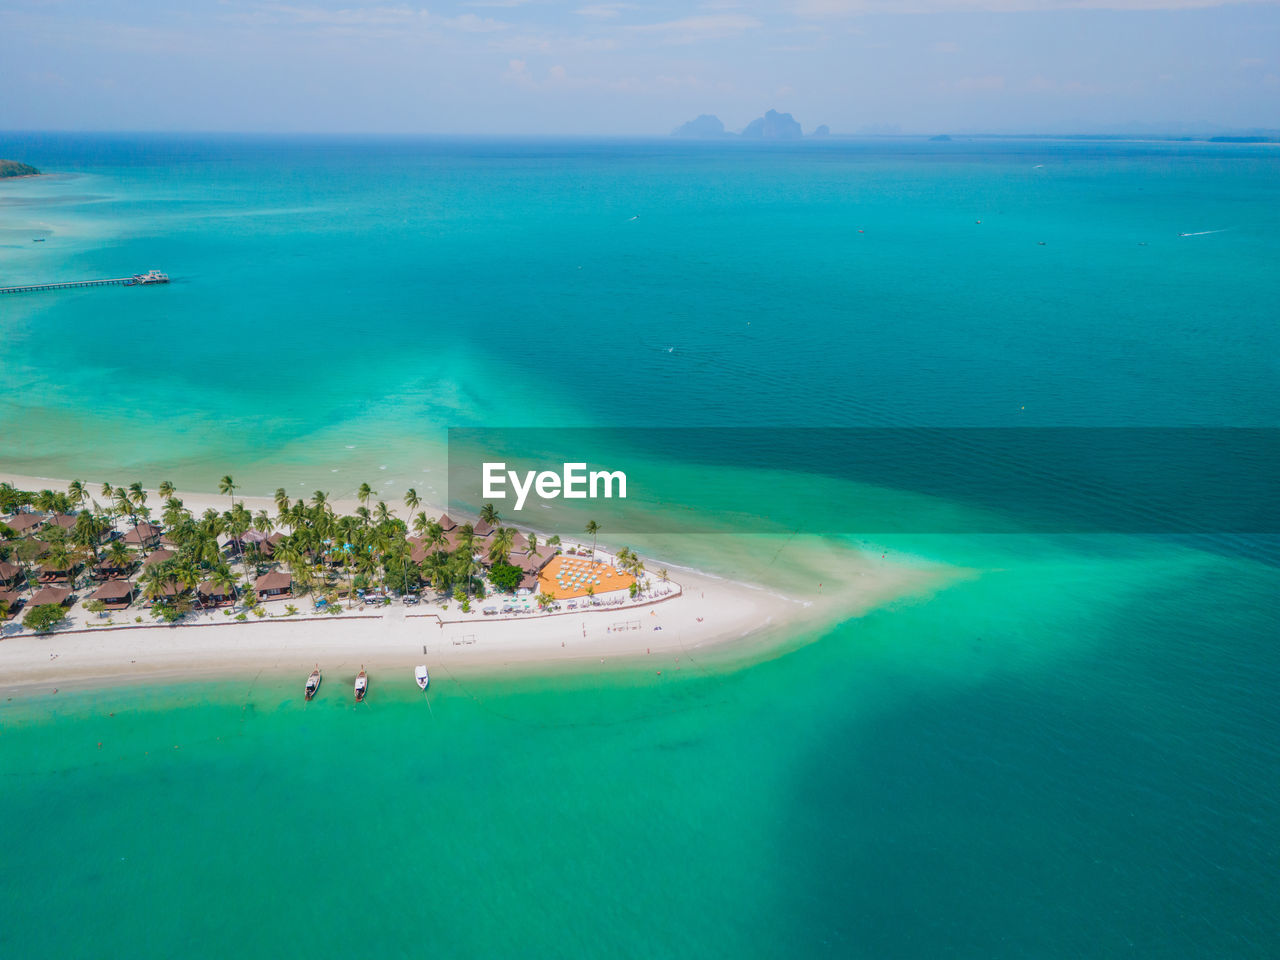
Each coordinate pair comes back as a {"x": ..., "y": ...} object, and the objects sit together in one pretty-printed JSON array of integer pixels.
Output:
[{"x": 12, "y": 168}]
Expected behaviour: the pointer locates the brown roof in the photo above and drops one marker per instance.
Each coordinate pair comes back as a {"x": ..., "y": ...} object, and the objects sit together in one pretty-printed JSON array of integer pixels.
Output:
[
  {"x": 64, "y": 520},
  {"x": 276, "y": 537},
  {"x": 113, "y": 590},
  {"x": 160, "y": 556},
  {"x": 208, "y": 589},
  {"x": 25, "y": 521},
  {"x": 10, "y": 597},
  {"x": 275, "y": 580},
  {"x": 482, "y": 529},
  {"x": 57, "y": 595},
  {"x": 447, "y": 522},
  {"x": 534, "y": 562},
  {"x": 519, "y": 543},
  {"x": 8, "y": 570},
  {"x": 144, "y": 531},
  {"x": 50, "y": 568}
]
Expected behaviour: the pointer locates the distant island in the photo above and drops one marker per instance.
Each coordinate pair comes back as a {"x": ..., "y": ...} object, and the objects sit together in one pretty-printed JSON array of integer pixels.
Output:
[
  {"x": 772, "y": 126},
  {"x": 704, "y": 127},
  {"x": 12, "y": 168},
  {"x": 941, "y": 138}
]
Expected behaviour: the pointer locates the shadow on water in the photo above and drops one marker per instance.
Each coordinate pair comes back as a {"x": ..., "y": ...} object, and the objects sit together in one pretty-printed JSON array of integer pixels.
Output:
[{"x": 1121, "y": 800}]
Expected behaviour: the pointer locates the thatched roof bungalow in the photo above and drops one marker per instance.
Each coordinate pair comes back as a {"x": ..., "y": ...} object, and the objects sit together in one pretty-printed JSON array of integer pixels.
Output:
[
  {"x": 114, "y": 594},
  {"x": 276, "y": 585},
  {"x": 143, "y": 535},
  {"x": 212, "y": 595},
  {"x": 11, "y": 601},
  {"x": 160, "y": 556},
  {"x": 9, "y": 573},
  {"x": 56, "y": 595},
  {"x": 24, "y": 523}
]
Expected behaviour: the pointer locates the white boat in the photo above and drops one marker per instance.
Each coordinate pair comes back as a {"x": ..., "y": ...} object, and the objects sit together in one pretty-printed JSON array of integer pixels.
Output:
[
  {"x": 362, "y": 684},
  {"x": 313, "y": 683},
  {"x": 420, "y": 674}
]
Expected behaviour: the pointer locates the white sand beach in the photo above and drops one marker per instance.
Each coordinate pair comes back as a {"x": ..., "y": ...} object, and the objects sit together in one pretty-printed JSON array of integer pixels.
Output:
[{"x": 702, "y": 612}]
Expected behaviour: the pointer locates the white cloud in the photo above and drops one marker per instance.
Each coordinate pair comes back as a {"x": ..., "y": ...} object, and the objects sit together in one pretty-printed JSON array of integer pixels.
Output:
[
  {"x": 605, "y": 11},
  {"x": 695, "y": 29},
  {"x": 820, "y": 9}
]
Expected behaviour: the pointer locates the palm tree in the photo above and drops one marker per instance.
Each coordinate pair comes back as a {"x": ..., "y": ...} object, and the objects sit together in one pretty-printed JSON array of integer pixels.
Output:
[
  {"x": 382, "y": 512},
  {"x": 421, "y": 524},
  {"x": 282, "y": 500},
  {"x": 320, "y": 500},
  {"x": 119, "y": 556},
  {"x": 533, "y": 542},
  {"x": 262, "y": 523},
  {"x": 662, "y": 574},
  {"x": 137, "y": 496},
  {"x": 166, "y": 490},
  {"x": 503, "y": 541},
  {"x": 222, "y": 580},
  {"x": 77, "y": 492},
  {"x": 108, "y": 491},
  {"x": 228, "y": 486},
  {"x": 412, "y": 500},
  {"x": 125, "y": 507},
  {"x": 489, "y": 514},
  {"x": 86, "y": 534},
  {"x": 364, "y": 494},
  {"x": 593, "y": 528}
]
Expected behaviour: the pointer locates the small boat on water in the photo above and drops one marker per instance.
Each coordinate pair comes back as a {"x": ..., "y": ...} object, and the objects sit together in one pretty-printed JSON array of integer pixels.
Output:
[
  {"x": 362, "y": 684},
  {"x": 313, "y": 683},
  {"x": 420, "y": 675}
]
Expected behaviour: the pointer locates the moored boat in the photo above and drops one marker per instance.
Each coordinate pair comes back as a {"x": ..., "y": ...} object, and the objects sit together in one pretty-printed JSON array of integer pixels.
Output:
[
  {"x": 362, "y": 684},
  {"x": 420, "y": 675},
  {"x": 313, "y": 683}
]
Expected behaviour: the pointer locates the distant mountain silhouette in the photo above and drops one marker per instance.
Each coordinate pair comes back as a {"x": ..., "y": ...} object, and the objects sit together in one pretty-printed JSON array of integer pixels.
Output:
[
  {"x": 822, "y": 131},
  {"x": 705, "y": 126},
  {"x": 773, "y": 126}
]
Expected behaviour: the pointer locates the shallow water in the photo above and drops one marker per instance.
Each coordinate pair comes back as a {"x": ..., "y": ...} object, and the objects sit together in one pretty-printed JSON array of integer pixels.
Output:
[{"x": 1069, "y": 752}]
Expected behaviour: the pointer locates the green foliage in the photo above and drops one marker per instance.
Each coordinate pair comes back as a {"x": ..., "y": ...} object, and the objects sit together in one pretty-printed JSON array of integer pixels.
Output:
[
  {"x": 44, "y": 617},
  {"x": 242, "y": 616},
  {"x": 466, "y": 605},
  {"x": 633, "y": 589},
  {"x": 12, "y": 168},
  {"x": 290, "y": 610},
  {"x": 505, "y": 576},
  {"x": 96, "y": 606}
]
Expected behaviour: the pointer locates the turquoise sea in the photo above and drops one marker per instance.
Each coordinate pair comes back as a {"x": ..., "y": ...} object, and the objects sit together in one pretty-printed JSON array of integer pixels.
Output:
[{"x": 1072, "y": 750}]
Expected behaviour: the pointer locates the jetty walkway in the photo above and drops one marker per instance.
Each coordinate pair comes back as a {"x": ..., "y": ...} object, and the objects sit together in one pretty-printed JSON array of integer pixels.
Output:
[{"x": 138, "y": 279}]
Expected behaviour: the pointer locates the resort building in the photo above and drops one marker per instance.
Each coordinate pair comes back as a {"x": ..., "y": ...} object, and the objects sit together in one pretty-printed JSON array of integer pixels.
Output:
[
  {"x": 276, "y": 585},
  {"x": 160, "y": 556},
  {"x": 9, "y": 573},
  {"x": 64, "y": 520},
  {"x": 9, "y": 600},
  {"x": 482, "y": 530},
  {"x": 23, "y": 523},
  {"x": 106, "y": 569},
  {"x": 56, "y": 595},
  {"x": 114, "y": 594},
  {"x": 447, "y": 523},
  {"x": 212, "y": 595},
  {"x": 144, "y": 535},
  {"x": 52, "y": 574}
]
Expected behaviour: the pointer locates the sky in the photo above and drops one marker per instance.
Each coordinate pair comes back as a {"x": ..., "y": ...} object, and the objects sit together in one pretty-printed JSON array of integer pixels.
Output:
[{"x": 598, "y": 67}]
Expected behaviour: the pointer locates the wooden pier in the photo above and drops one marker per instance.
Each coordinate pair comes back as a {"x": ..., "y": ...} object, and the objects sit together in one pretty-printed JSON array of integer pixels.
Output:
[{"x": 141, "y": 279}]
